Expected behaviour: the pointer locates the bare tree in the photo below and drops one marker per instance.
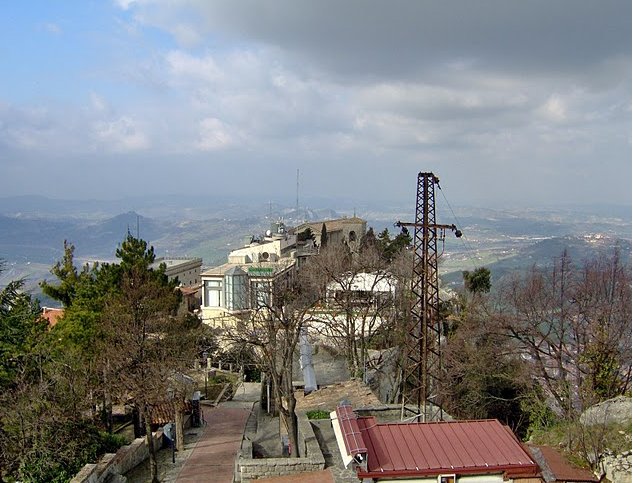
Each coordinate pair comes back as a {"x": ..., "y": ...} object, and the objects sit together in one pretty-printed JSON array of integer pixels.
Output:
[
  {"x": 573, "y": 325},
  {"x": 356, "y": 295},
  {"x": 273, "y": 330}
]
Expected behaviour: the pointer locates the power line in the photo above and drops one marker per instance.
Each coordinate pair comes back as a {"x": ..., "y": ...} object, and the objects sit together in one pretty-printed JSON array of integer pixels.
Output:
[{"x": 470, "y": 252}]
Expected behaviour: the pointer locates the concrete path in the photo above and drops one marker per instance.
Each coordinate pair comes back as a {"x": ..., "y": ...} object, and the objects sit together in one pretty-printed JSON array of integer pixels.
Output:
[{"x": 213, "y": 457}]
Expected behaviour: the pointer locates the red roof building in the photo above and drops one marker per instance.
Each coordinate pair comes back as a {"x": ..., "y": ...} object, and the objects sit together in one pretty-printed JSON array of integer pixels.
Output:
[
  {"x": 439, "y": 451},
  {"x": 52, "y": 315}
]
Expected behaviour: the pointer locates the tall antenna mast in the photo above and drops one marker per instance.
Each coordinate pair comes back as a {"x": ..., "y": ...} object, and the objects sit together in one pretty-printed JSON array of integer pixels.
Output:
[
  {"x": 422, "y": 358},
  {"x": 297, "y": 204}
]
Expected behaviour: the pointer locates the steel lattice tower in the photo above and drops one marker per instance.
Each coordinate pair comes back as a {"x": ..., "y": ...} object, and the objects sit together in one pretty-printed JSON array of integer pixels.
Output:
[{"x": 422, "y": 358}]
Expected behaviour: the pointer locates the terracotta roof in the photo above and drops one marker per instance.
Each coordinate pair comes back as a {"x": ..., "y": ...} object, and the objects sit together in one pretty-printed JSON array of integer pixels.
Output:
[
  {"x": 190, "y": 290},
  {"x": 52, "y": 315},
  {"x": 556, "y": 468},
  {"x": 448, "y": 447},
  {"x": 164, "y": 413}
]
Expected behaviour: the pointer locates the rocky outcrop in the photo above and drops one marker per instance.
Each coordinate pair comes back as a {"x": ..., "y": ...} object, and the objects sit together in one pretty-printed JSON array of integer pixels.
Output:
[
  {"x": 616, "y": 410},
  {"x": 616, "y": 467}
]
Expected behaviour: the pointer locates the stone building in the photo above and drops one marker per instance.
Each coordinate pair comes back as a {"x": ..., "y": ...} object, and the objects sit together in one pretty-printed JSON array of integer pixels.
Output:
[{"x": 349, "y": 231}]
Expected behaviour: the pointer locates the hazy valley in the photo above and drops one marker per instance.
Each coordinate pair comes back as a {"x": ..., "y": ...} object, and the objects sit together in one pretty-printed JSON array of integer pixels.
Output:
[{"x": 33, "y": 229}]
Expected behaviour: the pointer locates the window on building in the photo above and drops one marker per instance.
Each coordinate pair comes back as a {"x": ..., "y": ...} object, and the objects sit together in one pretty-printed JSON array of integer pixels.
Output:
[
  {"x": 212, "y": 293},
  {"x": 235, "y": 291},
  {"x": 446, "y": 479},
  {"x": 260, "y": 294}
]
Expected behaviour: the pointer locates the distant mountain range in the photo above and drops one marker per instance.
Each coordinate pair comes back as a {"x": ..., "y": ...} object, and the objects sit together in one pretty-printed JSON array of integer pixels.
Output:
[
  {"x": 33, "y": 229},
  {"x": 545, "y": 253}
]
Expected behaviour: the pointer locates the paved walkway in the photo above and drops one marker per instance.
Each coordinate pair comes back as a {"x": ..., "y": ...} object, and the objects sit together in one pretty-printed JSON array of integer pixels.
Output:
[
  {"x": 213, "y": 456},
  {"x": 210, "y": 451}
]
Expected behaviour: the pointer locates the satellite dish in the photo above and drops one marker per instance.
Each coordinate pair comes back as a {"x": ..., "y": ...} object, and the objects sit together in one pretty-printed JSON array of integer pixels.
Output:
[{"x": 269, "y": 233}]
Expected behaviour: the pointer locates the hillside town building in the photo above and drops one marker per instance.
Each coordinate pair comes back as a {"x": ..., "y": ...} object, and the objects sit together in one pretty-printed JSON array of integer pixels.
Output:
[
  {"x": 246, "y": 281},
  {"x": 186, "y": 270},
  {"x": 348, "y": 231}
]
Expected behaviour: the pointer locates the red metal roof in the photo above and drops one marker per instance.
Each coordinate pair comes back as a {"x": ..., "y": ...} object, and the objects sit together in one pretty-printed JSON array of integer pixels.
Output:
[
  {"x": 556, "y": 468},
  {"x": 354, "y": 443},
  {"x": 450, "y": 447}
]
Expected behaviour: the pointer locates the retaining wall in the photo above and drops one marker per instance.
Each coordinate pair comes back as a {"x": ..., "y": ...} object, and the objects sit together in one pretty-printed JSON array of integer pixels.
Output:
[
  {"x": 310, "y": 458},
  {"x": 119, "y": 463}
]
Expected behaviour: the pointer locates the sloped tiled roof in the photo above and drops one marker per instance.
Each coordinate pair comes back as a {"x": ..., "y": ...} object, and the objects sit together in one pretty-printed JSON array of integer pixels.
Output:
[
  {"x": 52, "y": 315},
  {"x": 556, "y": 468},
  {"x": 448, "y": 447}
]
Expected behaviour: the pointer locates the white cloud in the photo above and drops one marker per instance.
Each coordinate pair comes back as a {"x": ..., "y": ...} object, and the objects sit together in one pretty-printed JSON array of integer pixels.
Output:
[
  {"x": 126, "y": 4},
  {"x": 97, "y": 102},
  {"x": 213, "y": 135},
  {"x": 186, "y": 68},
  {"x": 186, "y": 35},
  {"x": 554, "y": 109},
  {"x": 120, "y": 135}
]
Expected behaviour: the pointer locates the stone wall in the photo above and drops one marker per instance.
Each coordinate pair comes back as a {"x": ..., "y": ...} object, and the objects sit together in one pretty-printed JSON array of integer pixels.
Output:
[
  {"x": 248, "y": 468},
  {"x": 119, "y": 463}
]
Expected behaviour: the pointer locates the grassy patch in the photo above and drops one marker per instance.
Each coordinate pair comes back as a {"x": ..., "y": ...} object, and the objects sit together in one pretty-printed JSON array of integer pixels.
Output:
[{"x": 318, "y": 414}]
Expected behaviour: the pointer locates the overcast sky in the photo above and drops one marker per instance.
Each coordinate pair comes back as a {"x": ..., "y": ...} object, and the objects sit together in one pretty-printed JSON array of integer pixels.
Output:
[{"x": 509, "y": 102}]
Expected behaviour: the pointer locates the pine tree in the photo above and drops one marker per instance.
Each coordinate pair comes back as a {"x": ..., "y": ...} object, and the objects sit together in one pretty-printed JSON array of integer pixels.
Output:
[{"x": 323, "y": 236}]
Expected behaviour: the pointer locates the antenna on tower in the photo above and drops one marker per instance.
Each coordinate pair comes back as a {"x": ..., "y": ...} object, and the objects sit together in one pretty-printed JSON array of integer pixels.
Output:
[
  {"x": 138, "y": 235},
  {"x": 297, "y": 205}
]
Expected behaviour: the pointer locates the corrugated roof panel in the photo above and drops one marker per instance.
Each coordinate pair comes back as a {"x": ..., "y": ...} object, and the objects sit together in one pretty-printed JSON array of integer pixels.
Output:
[
  {"x": 427, "y": 446},
  {"x": 351, "y": 432},
  {"x": 410, "y": 448},
  {"x": 443, "y": 447},
  {"x": 377, "y": 454},
  {"x": 483, "y": 441},
  {"x": 465, "y": 447},
  {"x": 392, "y": 447}
]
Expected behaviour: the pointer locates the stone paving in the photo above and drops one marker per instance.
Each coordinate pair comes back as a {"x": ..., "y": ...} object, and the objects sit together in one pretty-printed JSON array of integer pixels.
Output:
[
  {"x": 210, "y": 451},
  {"x": 167, "y": 470},
  {"x": 213, "y": 457}
]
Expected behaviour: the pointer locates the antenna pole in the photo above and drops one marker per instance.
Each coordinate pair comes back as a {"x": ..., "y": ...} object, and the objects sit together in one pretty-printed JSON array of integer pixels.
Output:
[{"x": 297, "y": 204}]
